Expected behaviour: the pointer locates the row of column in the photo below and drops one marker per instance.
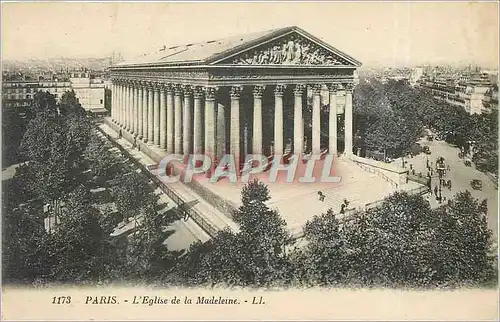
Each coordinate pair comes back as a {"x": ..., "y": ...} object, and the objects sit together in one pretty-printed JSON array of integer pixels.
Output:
[{"x": 170, "y": 116}]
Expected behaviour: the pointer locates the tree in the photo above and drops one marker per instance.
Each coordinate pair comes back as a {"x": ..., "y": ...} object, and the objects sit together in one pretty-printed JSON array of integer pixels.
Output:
[
  {"x": 253, "y": 256},
  {"x": 401, "y": 243},
  {"x": 24, "y": 252},
  {"x": 54, "y": 145},
  {"x": 13, "y": 127},
  {"x": 459, "y": 248},
  {"x": 79, "y": 249},
  {"x": 323, "y": 261},
  {"x": 102, "y": 164},
  {"x": 146, "y": 253}
]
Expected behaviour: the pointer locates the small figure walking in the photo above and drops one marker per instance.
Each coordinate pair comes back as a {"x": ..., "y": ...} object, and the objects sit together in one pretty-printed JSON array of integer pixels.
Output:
[{"x": 321, "y": 196}]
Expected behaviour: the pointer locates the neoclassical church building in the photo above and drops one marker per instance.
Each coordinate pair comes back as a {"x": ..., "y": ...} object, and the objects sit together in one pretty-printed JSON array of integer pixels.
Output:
[
  {"x": 238, "y": 95},
  {"x": 273, "y": 92}
]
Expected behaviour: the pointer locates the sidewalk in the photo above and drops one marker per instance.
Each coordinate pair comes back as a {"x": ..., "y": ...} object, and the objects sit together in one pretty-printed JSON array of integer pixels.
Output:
[
  {"x": 186, "y": 231},
  {"x": 205, "y": 209}
]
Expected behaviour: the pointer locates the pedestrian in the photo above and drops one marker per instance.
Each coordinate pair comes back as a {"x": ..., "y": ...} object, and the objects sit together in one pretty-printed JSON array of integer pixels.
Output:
[
  {"x": 411, "y": 166},
  {"x": 321, "y": 196},
  {"x": 436, "y": 190},
  {"x": 448, "y": 167}
]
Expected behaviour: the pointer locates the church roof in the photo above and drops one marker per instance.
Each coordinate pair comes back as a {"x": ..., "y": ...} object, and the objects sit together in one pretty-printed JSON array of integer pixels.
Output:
[{"x": 214, "y": 51}]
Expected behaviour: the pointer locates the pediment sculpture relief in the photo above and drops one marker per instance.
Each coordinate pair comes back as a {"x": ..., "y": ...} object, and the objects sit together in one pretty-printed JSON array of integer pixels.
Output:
[{"x": 289, "y": 51}]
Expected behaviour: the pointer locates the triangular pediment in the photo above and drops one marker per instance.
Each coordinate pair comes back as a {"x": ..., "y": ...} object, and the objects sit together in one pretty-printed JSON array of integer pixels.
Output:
[{"x": 294, "y": 47}]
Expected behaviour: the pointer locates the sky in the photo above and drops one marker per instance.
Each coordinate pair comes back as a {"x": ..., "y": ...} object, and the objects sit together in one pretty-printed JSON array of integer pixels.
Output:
[{"x": 375, "y": 33}]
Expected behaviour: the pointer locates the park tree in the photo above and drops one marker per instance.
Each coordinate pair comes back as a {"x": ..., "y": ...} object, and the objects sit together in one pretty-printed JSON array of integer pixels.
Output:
[
  {"x": 79, "y": 248},
  {"x": 323, "y": 261},
  {"x": 43, "y": 102},
  {"x": 54, "y": 145},
  {"x": 24, "y": 252},
  {"x": 401, "y": 243},
  {"x": 459, "y": 248},
  {"x": 393, "y": 134},
  {"x": 146, "y": 254},
  {"x": 256, "y": 255},
  {"x": 13, "y": 127},
  {"x": 102, "y": 163}
]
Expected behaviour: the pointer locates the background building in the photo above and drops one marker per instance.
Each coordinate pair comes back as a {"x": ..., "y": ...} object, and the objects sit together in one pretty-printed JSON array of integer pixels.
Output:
[{"x": 89, "y": 89}]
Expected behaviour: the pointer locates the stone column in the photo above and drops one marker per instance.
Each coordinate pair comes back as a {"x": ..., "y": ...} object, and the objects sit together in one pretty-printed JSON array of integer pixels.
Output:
[
  {"x": 119, "y": 102},
  {"x": 137, "y": 108},
  {"x": 122, "y": 105},
  {"x": 348, "y": 119},
  {"x": 221, "y": 131},
  {"x": 113, "y": 100},
  {"x": 144, "y": 109},
  {"x": 186, "y": 116},
  {"x": 235, "y": 149},
  {"x": 140, "y": 118},
  {"x": 132, "y": 107},
  {"x": 257, "y": 119},
  {"x": 197, "y": 135},
  {"x": 178, "y": 119},
  {"x": 150, "y": 113},
  {"x": 170, "y": 118},
  {"x": 298, "y": 130},
  {"x": 130, "y": 127},
  {"x": 135, "y": 115},
  {"x": 316, "y": 120},
  {"x": 163, "y": 118},
  {"x": 156, "y": 115},
  {"x": 210, "y": 121},
  {"x": 332, "y": 121},
  {"x": 278, "y": 119}
]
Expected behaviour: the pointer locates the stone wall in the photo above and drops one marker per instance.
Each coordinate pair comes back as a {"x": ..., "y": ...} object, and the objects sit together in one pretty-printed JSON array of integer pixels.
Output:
[{"x": 393, "y": 172}]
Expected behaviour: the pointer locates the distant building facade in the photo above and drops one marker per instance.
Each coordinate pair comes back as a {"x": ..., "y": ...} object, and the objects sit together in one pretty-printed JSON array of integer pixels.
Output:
[
  {"x": 473, "y": 92},
  {"x": 18, "y": 90},
  {"x": 89, "y": 90}
]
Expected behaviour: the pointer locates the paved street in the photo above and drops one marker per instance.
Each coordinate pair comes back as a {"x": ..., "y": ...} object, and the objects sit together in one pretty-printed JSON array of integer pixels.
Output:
[{"x": 460, "y": 176}]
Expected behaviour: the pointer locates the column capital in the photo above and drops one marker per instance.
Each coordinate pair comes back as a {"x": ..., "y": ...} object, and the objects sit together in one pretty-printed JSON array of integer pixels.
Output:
[
  {"x": 210, "y": 93},
  {"x": 349, "y": 87},
  {"x": 198, "y": 92},
  {"x": 187, "y": 89},
  {"x": 157, "y": 86},
  {"x": 316, "y": 89},
  {"x": 258, "y": 90},
  {"x": 333, "y": 88},
  {"x": 178, "y": 89},
  {"x": 279, "y": 89},
  {"x": 235, "y": 91},
  {"x": 299, "y": 89},
  {"x": 169, "y": 88}
]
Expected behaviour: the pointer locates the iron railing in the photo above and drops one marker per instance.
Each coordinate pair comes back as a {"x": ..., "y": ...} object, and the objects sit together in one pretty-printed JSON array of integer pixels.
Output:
[{"x": 181, "y": 210}]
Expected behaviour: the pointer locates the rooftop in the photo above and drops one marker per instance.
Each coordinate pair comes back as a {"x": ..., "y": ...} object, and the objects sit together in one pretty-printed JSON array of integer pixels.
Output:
[{"x": 213, "y": 50}]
